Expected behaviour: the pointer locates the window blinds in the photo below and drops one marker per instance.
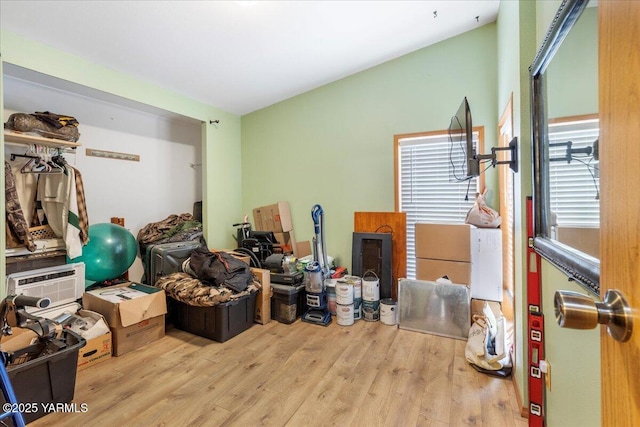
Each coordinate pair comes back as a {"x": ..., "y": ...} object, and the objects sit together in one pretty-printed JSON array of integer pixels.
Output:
[
  {"x": 428, "y": 191},
  {"x": 574, "y": 186}
]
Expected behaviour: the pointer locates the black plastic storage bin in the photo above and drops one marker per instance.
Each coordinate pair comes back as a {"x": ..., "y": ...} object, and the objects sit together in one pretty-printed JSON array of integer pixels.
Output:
[
  {"x": 220, "y": 322},
  {"x": 287, "y": 302},
  {"x": 47, "y": 380}
]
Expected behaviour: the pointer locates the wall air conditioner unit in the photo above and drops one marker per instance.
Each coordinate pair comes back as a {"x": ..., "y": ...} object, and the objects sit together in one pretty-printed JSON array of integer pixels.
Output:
[{"x": 62, "y": 284}]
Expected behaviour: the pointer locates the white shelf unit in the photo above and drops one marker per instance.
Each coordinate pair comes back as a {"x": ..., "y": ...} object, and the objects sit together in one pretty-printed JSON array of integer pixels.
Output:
[{"x": 26, "y": 139}]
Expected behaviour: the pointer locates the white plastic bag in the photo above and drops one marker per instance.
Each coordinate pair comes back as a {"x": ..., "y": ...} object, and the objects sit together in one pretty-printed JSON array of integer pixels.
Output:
[{"x": 482, "y": 215}]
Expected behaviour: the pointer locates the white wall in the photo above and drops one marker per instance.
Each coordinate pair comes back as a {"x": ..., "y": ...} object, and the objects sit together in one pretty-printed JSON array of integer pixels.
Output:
[{"x": 163, "y": 182}]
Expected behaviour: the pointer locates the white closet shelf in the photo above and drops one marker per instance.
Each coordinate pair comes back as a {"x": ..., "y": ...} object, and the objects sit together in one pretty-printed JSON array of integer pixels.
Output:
[{"x": 23, "y": 138}]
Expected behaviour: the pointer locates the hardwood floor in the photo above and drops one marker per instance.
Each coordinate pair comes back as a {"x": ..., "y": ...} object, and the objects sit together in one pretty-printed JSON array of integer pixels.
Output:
[{"x": 293, "y": 375}]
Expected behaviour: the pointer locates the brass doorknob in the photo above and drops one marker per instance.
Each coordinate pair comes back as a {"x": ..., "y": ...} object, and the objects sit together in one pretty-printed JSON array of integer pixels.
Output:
[{"x": 577, "y": 311}]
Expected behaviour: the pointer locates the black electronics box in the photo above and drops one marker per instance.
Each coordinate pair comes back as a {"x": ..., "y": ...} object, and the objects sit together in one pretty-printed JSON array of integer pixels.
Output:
[{"x": 291, "y": 279}]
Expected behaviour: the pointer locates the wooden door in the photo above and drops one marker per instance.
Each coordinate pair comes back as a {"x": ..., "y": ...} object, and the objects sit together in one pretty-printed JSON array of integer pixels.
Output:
[{"x": 619, "y": 84}]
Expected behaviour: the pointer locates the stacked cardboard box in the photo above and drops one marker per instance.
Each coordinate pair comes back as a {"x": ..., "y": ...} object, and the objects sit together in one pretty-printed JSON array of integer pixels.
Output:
[
  {"x": 466, "y": 254},
  {"x": 277, "y": 218},
  {"x": 443, "y": 250},
  {"x": 135, "y": 313},
  {"x": 99, "y": 348}
]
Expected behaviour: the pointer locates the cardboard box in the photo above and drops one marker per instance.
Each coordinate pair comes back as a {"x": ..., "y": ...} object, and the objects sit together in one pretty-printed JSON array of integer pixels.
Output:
[
  {"x": 449, "y": 242},
  {"x": 263, "y": 299},
  {"x": 284, "y": 238},
  {"x": 287, "y": 241},
  {"x": 304, "y": 249},
  {"x": 433, "y": 269},
  {"x": 276, "y": 218},
  {"x": 135, "y": 313},
  {"x": 20, "y": 338},
  {"x": 96, "y": 349}
]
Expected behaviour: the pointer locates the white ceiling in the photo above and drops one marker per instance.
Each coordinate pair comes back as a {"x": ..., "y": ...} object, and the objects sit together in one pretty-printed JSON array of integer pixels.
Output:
[{"x": 241, "y": 56}]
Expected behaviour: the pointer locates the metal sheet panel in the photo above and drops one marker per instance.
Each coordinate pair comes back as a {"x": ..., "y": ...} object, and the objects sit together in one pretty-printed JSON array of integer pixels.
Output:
[{"x": 435, "y": 308}]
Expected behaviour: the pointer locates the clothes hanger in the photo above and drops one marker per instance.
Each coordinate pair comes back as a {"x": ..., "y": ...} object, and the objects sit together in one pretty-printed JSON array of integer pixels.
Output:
[
  {"x": 27, "y": 166},
  {"x": 38, "y": 164}
]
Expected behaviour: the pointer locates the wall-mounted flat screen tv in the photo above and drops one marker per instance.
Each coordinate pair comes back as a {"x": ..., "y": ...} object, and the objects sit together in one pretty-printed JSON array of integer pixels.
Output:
[{"x": 461, "y": 137}]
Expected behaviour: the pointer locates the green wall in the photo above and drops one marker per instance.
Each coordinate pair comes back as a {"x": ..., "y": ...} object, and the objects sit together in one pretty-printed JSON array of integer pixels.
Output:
[
  {"x": 516, "y": 49},
  {"x": 574, "y": 356},
  {"x": 572, "y": 75},
  {"x": 335, "y": 145}
]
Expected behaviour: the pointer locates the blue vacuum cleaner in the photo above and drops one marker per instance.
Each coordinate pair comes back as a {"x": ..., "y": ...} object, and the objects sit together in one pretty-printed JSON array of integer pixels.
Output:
[{"x": 315, "y": 273}]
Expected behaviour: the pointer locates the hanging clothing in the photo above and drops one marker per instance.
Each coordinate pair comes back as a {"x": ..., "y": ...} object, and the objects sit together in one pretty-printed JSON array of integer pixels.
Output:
[
  {"x": 26, "y": 187},
  {"x": 58, "y": 194},
  {"x": 83, "y": 216},
  {"x": 16, "y": 221}
]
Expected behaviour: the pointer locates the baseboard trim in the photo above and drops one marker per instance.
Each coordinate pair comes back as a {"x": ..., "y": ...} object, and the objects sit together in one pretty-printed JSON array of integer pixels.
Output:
[{"x": 524, "y": 411}]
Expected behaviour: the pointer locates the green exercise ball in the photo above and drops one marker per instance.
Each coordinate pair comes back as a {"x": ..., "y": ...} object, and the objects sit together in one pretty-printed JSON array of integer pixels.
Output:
[{"x": 109, "y": 253}]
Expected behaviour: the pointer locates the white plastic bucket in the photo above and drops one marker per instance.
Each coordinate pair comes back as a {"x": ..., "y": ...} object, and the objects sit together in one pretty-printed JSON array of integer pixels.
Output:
[
  {"x": 344, "y": 314},
  {"x": 388, "y": 311}
]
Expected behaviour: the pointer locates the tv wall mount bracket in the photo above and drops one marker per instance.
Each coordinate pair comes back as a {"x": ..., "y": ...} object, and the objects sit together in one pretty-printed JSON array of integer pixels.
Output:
[{"x": 512, "y": 148}]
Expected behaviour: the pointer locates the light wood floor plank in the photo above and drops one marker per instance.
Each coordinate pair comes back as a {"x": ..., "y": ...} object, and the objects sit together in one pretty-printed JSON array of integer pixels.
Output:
[
  {"x": 496, "y": 408},
  {"x": 437, "y": 396},
  {"x": 466, "y": 407},
  {"x": 390, "y": 366},
  {"x": 405, "y": 404},
  {"x": 368, "y": 374}
]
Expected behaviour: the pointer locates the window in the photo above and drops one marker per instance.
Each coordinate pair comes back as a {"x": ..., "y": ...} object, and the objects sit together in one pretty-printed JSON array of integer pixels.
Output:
[
  {"x": 573, "y": 172},
  {"x": 425, "y": 187}
]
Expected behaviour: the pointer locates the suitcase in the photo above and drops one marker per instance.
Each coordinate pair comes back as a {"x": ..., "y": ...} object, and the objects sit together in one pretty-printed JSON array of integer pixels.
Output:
[{"x": 166, "y": 258}]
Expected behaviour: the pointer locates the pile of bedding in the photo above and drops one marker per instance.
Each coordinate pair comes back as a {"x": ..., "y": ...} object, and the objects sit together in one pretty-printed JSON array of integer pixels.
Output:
[
  {"x": 174, "y": 228},
  {"x": 185, "y": 288}
]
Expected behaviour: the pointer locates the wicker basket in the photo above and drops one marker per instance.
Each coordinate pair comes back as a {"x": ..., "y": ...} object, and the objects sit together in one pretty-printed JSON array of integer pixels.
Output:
[{"x": 42, "y": 232}]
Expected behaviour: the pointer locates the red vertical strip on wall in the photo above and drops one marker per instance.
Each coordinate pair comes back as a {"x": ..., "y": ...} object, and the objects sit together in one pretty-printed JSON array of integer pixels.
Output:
[{"x": 535, "y": 322}]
